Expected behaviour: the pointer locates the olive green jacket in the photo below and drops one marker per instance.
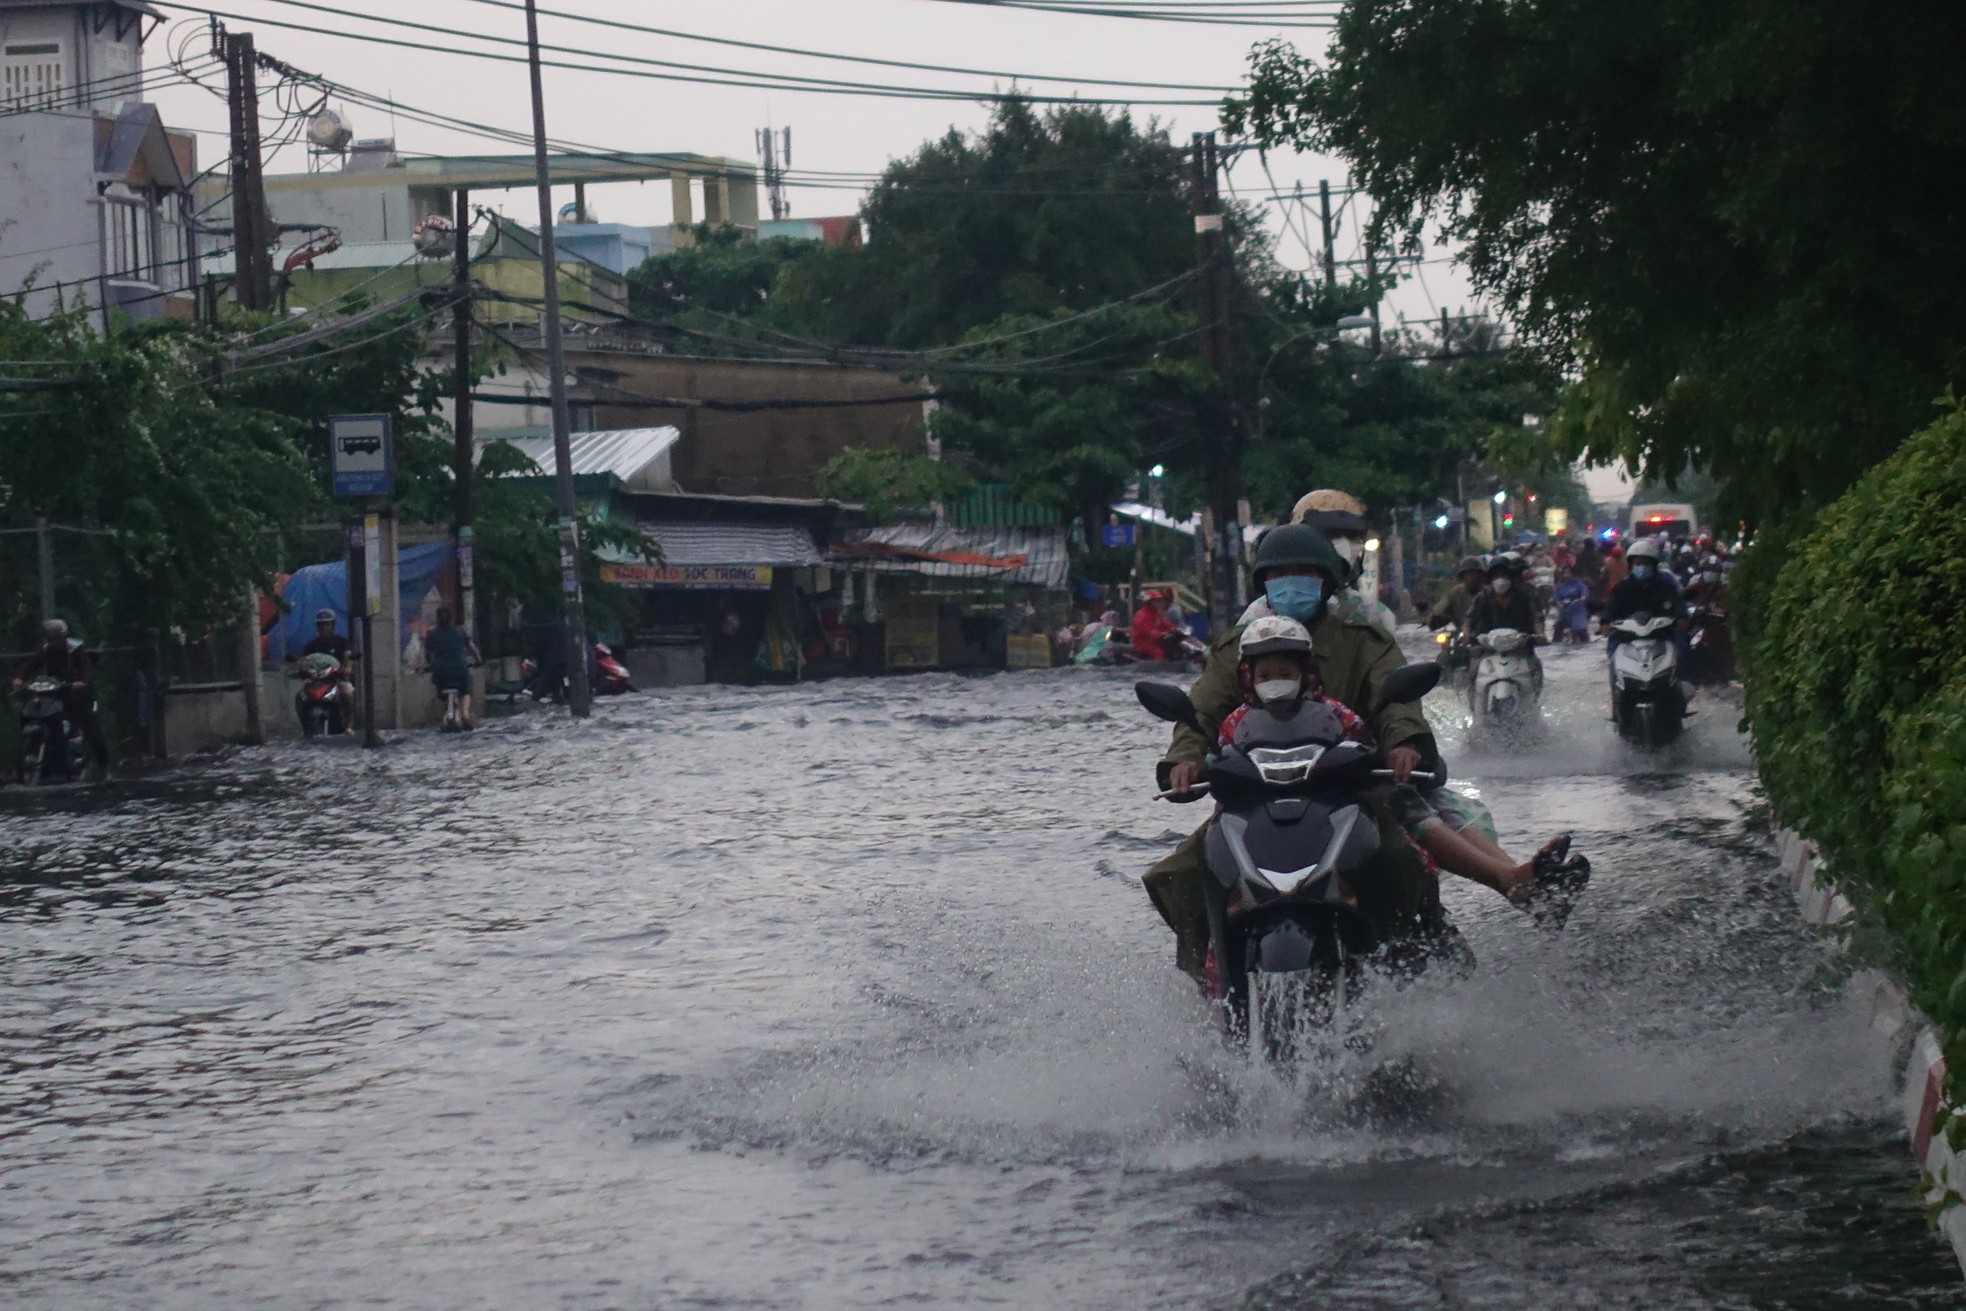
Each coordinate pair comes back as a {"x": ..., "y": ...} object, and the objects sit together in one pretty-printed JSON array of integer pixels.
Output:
[
  {"x": 1453, "y": 605},
  {"x": 1351, "y": 658}
]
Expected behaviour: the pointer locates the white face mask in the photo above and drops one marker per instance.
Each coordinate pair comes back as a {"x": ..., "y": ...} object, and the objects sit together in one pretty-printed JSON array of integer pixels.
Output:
[
  {"x": 1278, "y": 692},
  {"x": 1348, "y": 548},
  {"x": 1502, "y": 586}
]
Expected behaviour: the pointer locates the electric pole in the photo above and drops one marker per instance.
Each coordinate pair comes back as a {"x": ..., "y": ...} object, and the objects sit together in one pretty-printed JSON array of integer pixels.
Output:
[
  {"x": 252, "y": 285},
  {"x": 775, "y": 152},
  {"x": 579, "y": 694},
  {"x": 1330, "y": 237},
  {"x": 1372, "y": 280},
  {"x": 1222, "y": 445},
  {"x": 461, "y": 427}
]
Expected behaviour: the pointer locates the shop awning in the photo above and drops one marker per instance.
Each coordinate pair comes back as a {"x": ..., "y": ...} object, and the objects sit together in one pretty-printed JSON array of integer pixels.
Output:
[
  {"x": 1035, "y": 557},
  {"x": 688, "y": 544},
  {"x": 1155, "y": 517}
]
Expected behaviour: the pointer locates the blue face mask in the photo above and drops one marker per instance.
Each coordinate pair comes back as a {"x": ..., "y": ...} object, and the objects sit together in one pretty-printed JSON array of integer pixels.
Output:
[
  {"x": 1295, "y": 597},
  {"x": 1641, "y": 572}
]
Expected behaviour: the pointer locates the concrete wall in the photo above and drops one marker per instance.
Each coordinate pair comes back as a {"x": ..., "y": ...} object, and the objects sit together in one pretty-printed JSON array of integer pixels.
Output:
[
  {"x": 48, "y": 228},
  {"x": 88, "y": 57}
]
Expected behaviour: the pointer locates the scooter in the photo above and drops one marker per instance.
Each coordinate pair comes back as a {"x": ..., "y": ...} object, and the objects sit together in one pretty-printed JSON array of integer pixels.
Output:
[
  {"x": 1291, "y": 863},
  {"x": 613, "y": 677},
  {"x": 1507, "y": 691},
  {"x": 319, "y": 703},
  {"x": 1648, "y": 703},
  {"x": 1456, "y": 657},
  {"x": 51, "y": 747},
  {"x": 609, "y": 677}
]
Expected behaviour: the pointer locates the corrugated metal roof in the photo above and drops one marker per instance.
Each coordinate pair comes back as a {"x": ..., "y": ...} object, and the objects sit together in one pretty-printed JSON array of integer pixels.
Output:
[
  {"x": 619, "y": 452},
  {"x": 695, "y": 543},
  {"x": 1159, "y": 518},
  {"x": 1047, "y": 560}
]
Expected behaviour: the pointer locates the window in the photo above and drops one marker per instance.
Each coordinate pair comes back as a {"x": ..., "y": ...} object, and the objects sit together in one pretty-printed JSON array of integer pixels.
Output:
[
  {"x": 132, "y": 248},
  {"x": 30, "y": 74}
]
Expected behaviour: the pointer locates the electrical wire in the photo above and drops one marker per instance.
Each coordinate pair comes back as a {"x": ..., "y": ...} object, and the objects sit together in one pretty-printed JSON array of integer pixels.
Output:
[
  {"x": 641, "y": 67},
  {"x": 909, "y": 65}
]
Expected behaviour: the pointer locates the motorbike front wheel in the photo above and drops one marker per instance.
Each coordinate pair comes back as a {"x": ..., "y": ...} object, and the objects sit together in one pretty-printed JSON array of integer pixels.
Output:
[{"x": 1295, "y": 1016}]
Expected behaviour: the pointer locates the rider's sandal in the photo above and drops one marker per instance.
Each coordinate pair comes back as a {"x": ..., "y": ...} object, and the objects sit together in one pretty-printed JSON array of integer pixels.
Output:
[{"x": 1560, "y": 879}]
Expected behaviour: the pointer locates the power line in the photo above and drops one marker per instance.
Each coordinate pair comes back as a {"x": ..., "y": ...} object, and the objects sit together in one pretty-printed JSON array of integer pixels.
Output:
[
  {"x": 642, "y": 67},
  {"x": 852, "y": 59}
]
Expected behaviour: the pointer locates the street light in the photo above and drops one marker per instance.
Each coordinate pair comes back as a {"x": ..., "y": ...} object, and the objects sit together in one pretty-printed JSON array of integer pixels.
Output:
[
  {"x": 1501, "y": 497},
  {"x": 1440, "y": 521},
  {"x": 1158, "y": 471}
]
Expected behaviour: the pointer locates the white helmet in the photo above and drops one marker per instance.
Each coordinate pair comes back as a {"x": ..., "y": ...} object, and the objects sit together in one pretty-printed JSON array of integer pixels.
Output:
[
  {"x": 1273, "y": 633},
  {"x": 1645, "y": 548}
]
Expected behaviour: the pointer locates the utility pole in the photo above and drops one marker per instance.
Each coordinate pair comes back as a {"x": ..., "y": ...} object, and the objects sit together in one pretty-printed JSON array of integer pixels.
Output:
[
  {"x": 252, "y": 286},
  {"x": 1372, "y": 278},
  {"x": 579, "y": 694},
  {"x": 1446, "y": 342},
  {"x": 775, "y": 152},
  {"x": 463, "y": 452},
  {"x": 1221, "y": 521},
  {"x": 1330, "y": 236}
]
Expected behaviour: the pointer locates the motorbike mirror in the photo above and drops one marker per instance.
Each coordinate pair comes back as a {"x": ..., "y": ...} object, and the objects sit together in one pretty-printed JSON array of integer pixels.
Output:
[
  {"x": 1407, "y": 683},
  {"x": 1166, "y": 701}
]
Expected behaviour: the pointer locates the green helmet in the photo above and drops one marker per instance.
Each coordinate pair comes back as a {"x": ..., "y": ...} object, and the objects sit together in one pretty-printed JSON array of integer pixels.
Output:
[{"x": 1299, "y": 544}]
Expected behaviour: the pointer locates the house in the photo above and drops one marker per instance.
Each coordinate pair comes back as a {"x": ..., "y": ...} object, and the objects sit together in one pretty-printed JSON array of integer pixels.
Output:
[{"x": 95, "y": 191}]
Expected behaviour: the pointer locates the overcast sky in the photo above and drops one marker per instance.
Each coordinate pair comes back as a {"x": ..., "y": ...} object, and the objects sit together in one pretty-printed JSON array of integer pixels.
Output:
[{"x": 853, "y": 134}]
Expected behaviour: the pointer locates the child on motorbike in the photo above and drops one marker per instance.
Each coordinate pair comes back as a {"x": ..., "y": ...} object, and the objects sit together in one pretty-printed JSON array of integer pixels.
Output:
[{"x": 1276, "y": 674}]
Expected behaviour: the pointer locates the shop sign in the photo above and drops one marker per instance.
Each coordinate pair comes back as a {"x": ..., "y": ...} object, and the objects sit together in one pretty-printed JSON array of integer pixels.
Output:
[
  {"x": 1116, "y": 535},
  {"x": 1027, "y": 651},
  {"x": 715, "y": 577}
]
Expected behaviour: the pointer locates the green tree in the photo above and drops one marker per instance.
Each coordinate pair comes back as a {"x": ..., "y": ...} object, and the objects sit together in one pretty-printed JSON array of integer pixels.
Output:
[
  {"x": 724, "y": 273},
  {"x": 1736, "y": 218}
]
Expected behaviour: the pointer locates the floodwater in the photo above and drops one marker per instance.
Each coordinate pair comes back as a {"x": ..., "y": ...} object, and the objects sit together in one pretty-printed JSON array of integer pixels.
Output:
[{"x": 846, "y": 995}]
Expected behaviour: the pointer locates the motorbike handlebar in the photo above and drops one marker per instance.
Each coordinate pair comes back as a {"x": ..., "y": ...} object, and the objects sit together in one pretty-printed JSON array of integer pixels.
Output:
[{"x": 1172, "y": 793}]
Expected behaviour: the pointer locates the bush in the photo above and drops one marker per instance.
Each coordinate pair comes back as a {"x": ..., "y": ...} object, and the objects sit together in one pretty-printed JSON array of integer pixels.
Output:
[{"x": 1856, "y": 693}]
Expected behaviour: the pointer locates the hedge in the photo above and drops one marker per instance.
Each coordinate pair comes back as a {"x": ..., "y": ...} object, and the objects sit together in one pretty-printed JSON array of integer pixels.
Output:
[{"x": 1856, "y": 696}]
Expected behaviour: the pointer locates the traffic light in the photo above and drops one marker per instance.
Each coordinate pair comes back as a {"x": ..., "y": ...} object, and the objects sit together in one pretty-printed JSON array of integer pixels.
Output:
[{"x": 1508, "y": 520}]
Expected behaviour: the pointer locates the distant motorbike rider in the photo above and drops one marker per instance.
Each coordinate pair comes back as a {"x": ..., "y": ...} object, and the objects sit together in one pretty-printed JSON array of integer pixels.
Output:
[
  {"x": 1452, "y": 608},
  {"x": 68, "y": 662},
  {"x": 328, "y": 642},
  {"x": 1340, "y": 516},
  {"x": 1151, "y": 628},
  {"x": 1505, "y": 602},
  {"x": 1647, "y": 589}
]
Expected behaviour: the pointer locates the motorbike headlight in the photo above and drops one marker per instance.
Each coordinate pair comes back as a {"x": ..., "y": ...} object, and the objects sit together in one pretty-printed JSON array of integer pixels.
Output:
[{"x": 1440, "y": 638}]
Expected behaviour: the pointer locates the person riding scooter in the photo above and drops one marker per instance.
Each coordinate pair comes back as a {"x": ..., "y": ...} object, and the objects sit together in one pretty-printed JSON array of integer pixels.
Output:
[
  {"x": 326, "y": 641},
  {"x": 65, "y": 660},
  {"x": 1340, "y": 516},
  {"x": 1151, "y": 628}
]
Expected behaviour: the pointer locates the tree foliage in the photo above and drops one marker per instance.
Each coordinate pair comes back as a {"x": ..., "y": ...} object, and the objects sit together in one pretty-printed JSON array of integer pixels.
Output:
[
  {"x": 1856, "y": 692},
  {"x": 1739, "y": 219},
  {"x": 887, "y": 481}
]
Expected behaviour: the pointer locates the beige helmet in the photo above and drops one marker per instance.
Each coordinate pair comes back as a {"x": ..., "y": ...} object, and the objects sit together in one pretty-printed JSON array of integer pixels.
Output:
[{"x": 1328, "y": 500}]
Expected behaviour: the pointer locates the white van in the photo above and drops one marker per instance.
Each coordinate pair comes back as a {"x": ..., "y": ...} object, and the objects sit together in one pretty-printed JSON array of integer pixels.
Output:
[{"x": 1664, "y": 519}]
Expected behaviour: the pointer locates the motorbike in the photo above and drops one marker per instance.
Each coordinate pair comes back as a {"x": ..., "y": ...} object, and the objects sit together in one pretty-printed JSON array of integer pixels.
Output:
[
  {"x": 607, "y": 677},
  {"x": 51, "y": 747},
  {"x": 1456, "y": 657},
  {"x": 1648, "y": 703},
  {"x": 320, "y": 704},
  {"x": 1710, "y": 647},
  {"x": 1507, "y": 690},
  {"x": 1290, "y": 865}
]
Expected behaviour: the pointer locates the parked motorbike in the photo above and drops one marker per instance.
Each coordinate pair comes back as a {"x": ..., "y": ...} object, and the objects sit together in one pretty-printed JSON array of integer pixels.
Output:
[
  {"x": 51, "y": 747},
  {"x": 1648, "y": 703},
  {"x": 320, "y": 704},
  {"x": 607, "y": 676},
  {"x": 613, "y": 679},
  {"x": 1292, "y": 863},
  {"x": 1506, "y": 694}
]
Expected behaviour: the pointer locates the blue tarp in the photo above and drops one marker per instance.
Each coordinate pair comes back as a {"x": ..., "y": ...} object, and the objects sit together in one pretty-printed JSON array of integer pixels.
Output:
[{"x": 317, "y": 587}]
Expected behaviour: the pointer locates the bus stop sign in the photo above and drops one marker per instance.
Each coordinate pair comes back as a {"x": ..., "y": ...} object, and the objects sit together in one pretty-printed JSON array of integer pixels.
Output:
[{"x": 361, "y": 455}]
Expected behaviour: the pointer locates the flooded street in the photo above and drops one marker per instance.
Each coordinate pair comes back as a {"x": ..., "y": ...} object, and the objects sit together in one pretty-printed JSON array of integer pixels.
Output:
[{"x": 847, "y": 995}]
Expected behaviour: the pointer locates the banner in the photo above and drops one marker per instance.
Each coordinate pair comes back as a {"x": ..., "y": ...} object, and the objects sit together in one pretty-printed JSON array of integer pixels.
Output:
[{"x": 753, "y": 577}]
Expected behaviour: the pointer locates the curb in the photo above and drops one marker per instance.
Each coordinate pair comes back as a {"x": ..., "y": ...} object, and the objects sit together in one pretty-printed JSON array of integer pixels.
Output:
[{"x": 1922, "y": 1101}]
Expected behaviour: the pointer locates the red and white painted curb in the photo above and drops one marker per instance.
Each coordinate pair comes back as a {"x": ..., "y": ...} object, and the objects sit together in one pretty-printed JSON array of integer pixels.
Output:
[{"x": 1924, "y": 1106}]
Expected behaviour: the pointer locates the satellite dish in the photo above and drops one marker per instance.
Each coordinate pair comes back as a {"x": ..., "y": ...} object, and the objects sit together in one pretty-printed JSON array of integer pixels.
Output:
[{"x": 328, "y": 130}]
